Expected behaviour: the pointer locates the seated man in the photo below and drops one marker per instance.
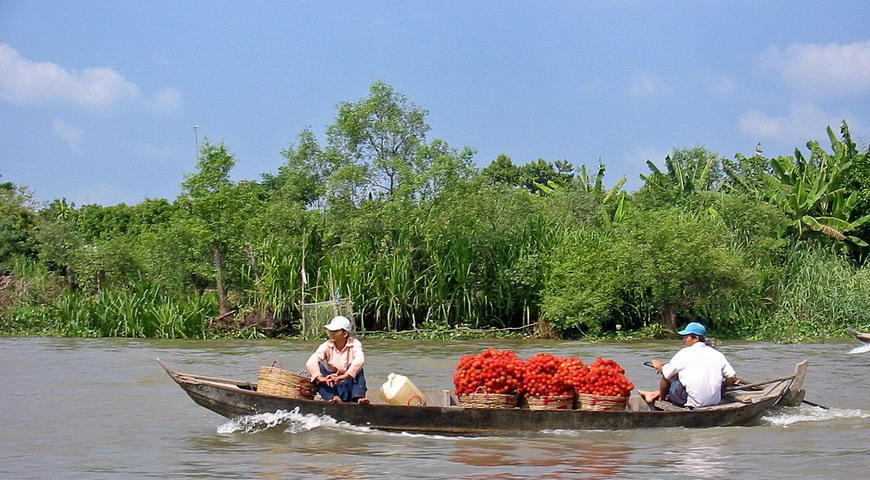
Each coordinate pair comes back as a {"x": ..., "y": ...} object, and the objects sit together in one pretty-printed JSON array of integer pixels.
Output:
[
  {"x": 696, "y": 375},
  {"x": 336, "y": 367}
]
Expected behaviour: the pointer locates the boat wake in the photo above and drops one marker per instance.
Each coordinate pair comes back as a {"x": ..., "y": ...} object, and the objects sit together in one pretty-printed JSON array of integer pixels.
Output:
[
  {"x": 860, "y": 349},
  {"x": 790, "y": 416},
  {"x": 292, "y": 421}
]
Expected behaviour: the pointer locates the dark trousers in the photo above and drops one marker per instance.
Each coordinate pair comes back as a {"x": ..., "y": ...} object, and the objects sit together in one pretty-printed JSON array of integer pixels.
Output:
[{"x": 347, "y": 390}]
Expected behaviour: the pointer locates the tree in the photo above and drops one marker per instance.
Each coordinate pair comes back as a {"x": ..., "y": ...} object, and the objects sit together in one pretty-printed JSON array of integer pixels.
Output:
[
  {"x": 214, "y": 212},
  {"x": 382, "y": 134},
  {"x": 302, "y": 177},
  {"x": 688, "y": 172},
  {"x": 502, "y": 170},
  {"x": 17, "y": 221},
  {"x": 816, "y": 193}
]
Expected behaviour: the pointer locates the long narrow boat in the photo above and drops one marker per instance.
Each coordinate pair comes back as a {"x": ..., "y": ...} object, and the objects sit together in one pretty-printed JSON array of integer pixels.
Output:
[{"x": 232, "y": 398}]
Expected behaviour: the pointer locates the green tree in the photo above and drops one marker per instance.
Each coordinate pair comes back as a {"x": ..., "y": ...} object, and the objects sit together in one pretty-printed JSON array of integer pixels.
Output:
[
  {"x": 381, "y": 134},
  {"x": 688, "y": 172},
  {"x": 502, "y": 170},
  {"x": 214, "y": 212},
  {"x": 17, "y": 221},
  {"x": 816, "y": 192}
]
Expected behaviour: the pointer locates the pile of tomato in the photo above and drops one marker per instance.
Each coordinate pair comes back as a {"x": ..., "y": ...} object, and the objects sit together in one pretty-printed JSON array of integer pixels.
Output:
[
  {"x": 603, "y": 377},
  {"x": 547, "y": 375},
  {"x": 491, "y": 371},
  {"x": 544, "y": 374}
]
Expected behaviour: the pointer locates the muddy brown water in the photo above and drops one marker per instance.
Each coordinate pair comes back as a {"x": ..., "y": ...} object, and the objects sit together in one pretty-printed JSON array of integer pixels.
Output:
[{"x": 103, "y": 409}]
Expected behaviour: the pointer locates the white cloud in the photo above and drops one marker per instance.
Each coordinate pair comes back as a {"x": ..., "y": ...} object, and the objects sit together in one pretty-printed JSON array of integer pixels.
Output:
[
  {"x": 803, "y": 122},
  {"x": 26, "y": 82},
  {"x": 823, "y": 70},
  {"x": 70, "y": 134},
  {"x": 646, "y": 84}
]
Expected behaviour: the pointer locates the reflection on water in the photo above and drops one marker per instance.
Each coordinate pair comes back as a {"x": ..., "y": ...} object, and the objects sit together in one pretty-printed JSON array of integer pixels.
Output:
[
  {"x": 575, "y": 459},
  {"x": 704, "y": 458},
  {"x": 102, "y": 408}
]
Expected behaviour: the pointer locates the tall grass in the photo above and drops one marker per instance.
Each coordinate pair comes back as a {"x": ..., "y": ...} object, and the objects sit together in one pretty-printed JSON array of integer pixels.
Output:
[
  {"x": 38, "y": 302},
  {"x": 822, "y": 293},
  {"x": 140, "y": 312}
]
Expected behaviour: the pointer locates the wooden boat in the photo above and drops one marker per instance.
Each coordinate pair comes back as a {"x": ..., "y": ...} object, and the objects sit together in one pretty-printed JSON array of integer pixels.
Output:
[
  {"x": 864, "y": 337},
  {"x": 232, "y": 398}
]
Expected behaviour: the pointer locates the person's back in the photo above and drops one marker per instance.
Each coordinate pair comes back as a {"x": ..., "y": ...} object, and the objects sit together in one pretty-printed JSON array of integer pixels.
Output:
[
  {"x": 701, "y": 369},
  {"x": 695, "y": 375}
]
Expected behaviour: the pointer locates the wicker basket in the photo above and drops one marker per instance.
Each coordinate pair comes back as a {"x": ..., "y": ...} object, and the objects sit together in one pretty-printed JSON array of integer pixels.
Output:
[
  {"x": 482, "y": 399},
  {"x": 600, "y": 403},
  {"x": 550, "y": 402},
  {"x": 282, "y": 383}
]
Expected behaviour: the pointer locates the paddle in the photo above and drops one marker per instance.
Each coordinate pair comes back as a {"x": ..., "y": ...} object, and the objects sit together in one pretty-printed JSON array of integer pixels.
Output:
[{"x": 757, "y": 386}]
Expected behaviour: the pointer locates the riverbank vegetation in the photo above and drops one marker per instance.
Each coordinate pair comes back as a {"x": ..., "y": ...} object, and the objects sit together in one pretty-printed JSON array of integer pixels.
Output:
[{"x": 419, "y": 239}]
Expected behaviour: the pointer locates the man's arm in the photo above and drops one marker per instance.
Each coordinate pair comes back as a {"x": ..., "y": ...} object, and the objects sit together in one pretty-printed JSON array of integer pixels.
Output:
[
  {"x": 313, "y": 363},
  {"x": 358, "y": 361}
]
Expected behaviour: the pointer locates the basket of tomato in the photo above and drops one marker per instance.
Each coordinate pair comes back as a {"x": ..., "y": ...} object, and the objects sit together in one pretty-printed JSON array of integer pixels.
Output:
[
  {"x": 603, "y": 386},
  {"x": 490, "y": 379},
  {"x": 546, "y": 382}
]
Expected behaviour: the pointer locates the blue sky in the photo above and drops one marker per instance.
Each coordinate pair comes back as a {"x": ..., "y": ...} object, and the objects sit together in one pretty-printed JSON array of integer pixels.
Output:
[{"x": 98, "y": 99}]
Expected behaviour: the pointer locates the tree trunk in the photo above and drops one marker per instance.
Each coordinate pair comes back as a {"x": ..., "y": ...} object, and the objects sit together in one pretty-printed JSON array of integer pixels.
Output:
[
  {"x": 669, "y": 318},
  {"x": 223, "y": 304}
]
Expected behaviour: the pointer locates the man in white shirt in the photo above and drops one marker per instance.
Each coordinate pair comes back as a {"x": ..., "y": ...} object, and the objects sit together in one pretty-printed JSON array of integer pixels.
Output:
[{"x": 695, "y": 375}]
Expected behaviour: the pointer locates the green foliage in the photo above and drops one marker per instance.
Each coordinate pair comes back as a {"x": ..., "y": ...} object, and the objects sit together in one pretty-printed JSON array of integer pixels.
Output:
[
  {"x": 582, "y": 286},
  {"x": 408, "y": 230},
  {"x": 380, "y": 134},
  {"x": 529, "y": 175},
  {"x": 813, "y": 191},
  {"x": 821, "y": 294},
  {"x": 689, "y": 171},
  {"x": 17, "y": 222}
]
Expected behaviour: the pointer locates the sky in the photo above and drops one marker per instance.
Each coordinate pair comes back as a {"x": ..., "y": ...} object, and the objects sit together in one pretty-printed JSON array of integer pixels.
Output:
[{"x": 99, "y": 99}]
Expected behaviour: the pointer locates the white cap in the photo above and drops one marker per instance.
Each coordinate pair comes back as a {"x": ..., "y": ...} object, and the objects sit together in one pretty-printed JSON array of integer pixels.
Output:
[{"x": 338, "y": 323}]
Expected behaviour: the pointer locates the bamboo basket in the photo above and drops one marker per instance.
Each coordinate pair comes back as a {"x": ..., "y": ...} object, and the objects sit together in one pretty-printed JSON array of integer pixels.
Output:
[
  {"x": 282, "y": 383},
  {"x": 600, "y": 403},
  {"x": 483, "y": 399},
  {"x": 550, "y": 402}
]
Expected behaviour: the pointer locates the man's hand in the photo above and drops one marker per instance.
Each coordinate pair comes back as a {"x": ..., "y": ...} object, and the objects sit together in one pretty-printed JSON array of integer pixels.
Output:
[{"x": 658, "y": 364}]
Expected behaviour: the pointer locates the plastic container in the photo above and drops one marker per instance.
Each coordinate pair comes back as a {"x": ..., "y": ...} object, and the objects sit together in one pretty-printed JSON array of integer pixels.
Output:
[{"x": 399, "y": 390}]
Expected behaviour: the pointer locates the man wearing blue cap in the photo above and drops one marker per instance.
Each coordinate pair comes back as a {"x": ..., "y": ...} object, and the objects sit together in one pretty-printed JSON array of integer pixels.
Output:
[{"x": 695, "y": 375}]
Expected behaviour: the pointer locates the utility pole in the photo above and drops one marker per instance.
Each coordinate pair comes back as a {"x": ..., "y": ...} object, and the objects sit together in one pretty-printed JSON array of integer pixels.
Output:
[{"x": 196, "y": 142}]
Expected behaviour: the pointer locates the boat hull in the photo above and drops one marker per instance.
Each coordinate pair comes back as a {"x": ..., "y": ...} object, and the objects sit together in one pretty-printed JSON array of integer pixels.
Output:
[{"x": 234, "y": 399}]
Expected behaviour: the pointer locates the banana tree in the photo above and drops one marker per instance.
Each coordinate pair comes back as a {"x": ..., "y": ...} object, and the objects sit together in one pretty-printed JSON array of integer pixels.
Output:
[
  {"x": 687, "y": 171},
  {"x": 614, "y": 201},
  {"x": 812, "y": 191}
]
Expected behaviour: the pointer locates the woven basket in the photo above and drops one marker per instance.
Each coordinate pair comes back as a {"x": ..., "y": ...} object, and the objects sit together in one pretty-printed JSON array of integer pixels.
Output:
[
  {"x": 282, "y": 383},
  {"x": 482, "y": 399},
  {"x": 550, "y": 402},
  {"x": 600, "y": 403}
]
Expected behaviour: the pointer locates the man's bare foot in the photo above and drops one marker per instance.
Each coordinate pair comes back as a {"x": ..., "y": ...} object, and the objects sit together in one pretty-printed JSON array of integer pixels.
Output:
[
  {"x": 363, "y": 401},
  {"x": 335, "y": 399},
  {"x": 649, "y": 397}
]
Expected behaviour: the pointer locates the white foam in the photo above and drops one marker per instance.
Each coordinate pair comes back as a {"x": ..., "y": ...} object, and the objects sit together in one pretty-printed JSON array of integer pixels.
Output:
[
  {"x": 812, "y": 414},
  {"x": 860, "y": 349},
  {"x": 295, "y": 422}
]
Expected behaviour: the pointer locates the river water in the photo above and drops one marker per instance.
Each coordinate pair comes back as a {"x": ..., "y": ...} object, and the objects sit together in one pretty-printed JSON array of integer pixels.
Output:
[{"x": 104, "y": 409}]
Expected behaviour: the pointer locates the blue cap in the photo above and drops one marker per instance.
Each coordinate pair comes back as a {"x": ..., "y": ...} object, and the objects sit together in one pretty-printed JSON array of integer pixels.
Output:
[{"x": 694, "y": 328}]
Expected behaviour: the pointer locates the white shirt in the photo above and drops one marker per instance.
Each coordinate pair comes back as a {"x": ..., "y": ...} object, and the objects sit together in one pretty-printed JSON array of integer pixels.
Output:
[{"x": 701, "y": 370}]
